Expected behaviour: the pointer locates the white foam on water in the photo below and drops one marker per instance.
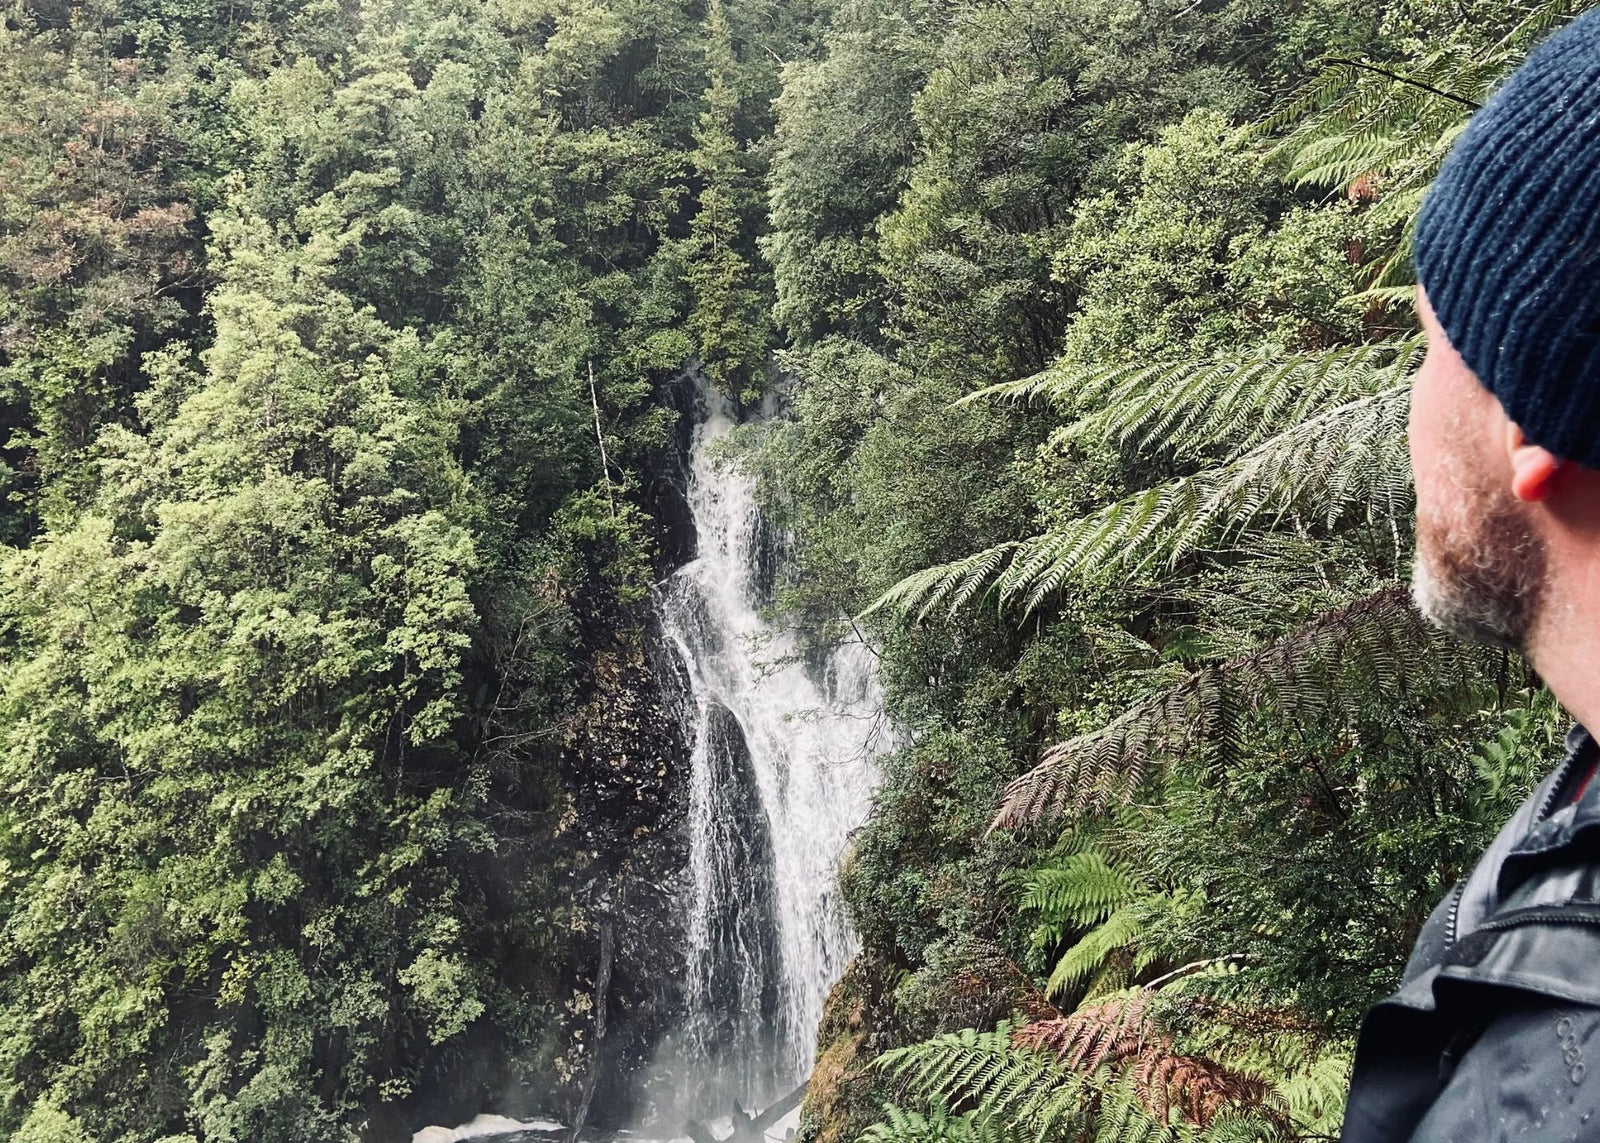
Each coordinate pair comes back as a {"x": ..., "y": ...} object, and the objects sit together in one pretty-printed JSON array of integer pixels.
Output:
[{"x": 483, "y": 1127}]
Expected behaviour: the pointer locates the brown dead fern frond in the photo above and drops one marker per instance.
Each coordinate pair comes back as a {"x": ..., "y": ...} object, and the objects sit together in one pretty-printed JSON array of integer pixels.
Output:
[
  {"x": 1113, "y": 1030},
  {"x": 1199, "y": 1089}
]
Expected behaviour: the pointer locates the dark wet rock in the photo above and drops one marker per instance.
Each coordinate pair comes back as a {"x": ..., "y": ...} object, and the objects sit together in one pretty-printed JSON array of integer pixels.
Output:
[
  {"x": 666, "y": 478},
  {"x": 746, "y": 972},
  {"x": 627, "y": 766}
]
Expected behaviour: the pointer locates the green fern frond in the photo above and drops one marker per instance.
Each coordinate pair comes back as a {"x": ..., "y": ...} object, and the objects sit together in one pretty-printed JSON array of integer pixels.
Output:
[
  {"x": 953, "y": 583},
  {"x": 1189, "y": 408},
  {"x": 1108, "y": 1072},
  {"x": 1106, "y": 765},
  {"x": 937, "y": 1125},
  {"x": 1350, "y": 460},
  {"x": 1401, "y": 295},
  {"x": 1493, "y": 761},
  {"x": 1509, "y": 759},
  {"x": 1374, "y": 647},
  {"x": 1123, "y": 1118},
  {"x": 1315, "y": 1094},
  {"x": 1385, "y": 127},
  {"x": 943, "y": 1068},
  {"x": 1236, "y": 1127},
  {"x": 1121, "y": 930},
  {"x": 1078, "y": 891},
  {"x": 1397, "y": 119},
  {"x": 1316, "y": 98}
]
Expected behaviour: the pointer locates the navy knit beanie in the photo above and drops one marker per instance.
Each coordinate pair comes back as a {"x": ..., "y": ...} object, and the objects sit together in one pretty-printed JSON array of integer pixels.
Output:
[{"x": 1508, "y": 244}]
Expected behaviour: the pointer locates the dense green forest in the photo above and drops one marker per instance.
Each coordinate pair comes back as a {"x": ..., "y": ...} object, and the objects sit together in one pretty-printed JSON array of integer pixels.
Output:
[
  {"x": 1100, "y": 418},
  {"x": 337, "y": 350},
  {"x": 319, "y": 596}
]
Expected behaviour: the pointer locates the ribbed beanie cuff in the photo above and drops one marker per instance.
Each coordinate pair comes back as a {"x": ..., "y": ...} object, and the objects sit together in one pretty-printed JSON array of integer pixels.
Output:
[{"x": 1508, "y": 244}]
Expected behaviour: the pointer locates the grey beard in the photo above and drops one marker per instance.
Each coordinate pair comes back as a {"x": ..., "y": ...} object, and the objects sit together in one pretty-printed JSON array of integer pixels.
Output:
[
  {"x": 1463, "y": 614},
  {"x": 1488, "y": 588}
]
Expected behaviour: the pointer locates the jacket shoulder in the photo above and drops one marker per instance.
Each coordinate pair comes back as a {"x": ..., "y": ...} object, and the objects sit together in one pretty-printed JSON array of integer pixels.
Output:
[{"x": 1532, "y": 1074}]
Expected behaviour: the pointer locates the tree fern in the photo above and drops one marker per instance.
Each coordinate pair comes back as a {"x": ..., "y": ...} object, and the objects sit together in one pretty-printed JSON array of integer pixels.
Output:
[
  {"x": 1121, "y": 931},
  {"x": 1496, "y": 758},
  {"x": 1348, "y": 460},
  {"x": 1301, "y": 459},
  {"x": 1375, "y": 648},
  {"x": 981, "y": 1067},
  {"x": 1234, "y": 1128},
  {"x": 1507, "y": 762},
  {"x": 1315, "y": 1094},
  {"x": 1190, "y": 408},
  {"x": 1198, "y": 1088},
  {"x": 1009, "y": 1087},
  {"x": 955, "y": 584},
  {"x": 1123, "y": 1118},
  {"x": 1382, "y": 129}
]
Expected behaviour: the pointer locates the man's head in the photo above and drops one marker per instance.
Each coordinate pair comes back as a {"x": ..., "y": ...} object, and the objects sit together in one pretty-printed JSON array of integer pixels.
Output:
[{"x": 1505, "y": 420}]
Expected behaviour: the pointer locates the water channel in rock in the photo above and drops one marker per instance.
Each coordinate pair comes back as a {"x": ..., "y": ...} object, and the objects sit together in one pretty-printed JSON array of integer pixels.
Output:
[{"x": 784, "y": 739}]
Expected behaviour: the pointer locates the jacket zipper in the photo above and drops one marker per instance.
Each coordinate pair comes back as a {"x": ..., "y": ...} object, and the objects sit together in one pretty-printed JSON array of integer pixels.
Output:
[
  {"x": 1455, "y": 910},
  {"x": 1568, "y": 914},
  {"x": 1563, "y": 774}
]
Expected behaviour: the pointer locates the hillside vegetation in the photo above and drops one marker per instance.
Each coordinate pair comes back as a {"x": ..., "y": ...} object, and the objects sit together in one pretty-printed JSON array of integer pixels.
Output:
[
  {"x": 320, "y": 605},
  {"x": 337, "y": 344},
  {"x": 1100, "y": 324}
]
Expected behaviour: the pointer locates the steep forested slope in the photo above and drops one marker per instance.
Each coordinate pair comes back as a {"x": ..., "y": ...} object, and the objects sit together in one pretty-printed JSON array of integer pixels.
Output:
[
  {"x": 328, "y": 741},
  {"x": 1100, "y": 322}
]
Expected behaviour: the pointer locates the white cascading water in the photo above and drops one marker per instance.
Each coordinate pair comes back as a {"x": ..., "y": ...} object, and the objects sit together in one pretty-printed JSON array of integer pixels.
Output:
[{"x": 784, "y": 746}]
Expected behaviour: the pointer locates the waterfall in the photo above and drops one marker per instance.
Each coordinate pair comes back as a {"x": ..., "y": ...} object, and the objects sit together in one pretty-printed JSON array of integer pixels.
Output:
[{"x": 782, "y": 770}]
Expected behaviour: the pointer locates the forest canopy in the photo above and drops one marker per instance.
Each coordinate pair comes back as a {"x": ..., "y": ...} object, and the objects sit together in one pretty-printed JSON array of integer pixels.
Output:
[{"x": 341, "y": 351}]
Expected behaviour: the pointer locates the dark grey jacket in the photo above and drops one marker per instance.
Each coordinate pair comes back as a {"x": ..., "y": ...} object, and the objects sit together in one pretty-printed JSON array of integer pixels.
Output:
[{"x": 1495, "y": 1032}]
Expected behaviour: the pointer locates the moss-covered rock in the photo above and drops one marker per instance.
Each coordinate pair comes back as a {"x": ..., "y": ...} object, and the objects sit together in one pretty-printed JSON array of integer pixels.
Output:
[
  {"x": 844, "y": 1096},
  {"x": 876, "y": 1006}
]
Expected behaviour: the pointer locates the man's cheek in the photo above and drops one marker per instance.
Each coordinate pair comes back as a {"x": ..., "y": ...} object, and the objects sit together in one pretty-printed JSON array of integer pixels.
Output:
[
  {"x": 1423, "y": 420},
  {"x": 1428, "y": 456}
]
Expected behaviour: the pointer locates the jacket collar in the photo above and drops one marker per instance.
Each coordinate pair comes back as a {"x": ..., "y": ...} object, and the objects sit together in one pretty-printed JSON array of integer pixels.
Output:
[{"x": 1558, "y": 821}]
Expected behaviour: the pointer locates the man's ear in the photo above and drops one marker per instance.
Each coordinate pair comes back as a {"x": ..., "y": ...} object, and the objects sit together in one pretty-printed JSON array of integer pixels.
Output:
[{"x": 1533, "y": 469}]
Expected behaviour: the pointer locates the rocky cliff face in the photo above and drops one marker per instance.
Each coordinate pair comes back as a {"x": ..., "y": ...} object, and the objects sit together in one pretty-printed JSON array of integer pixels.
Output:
[{"x": 626, "y": 767}]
